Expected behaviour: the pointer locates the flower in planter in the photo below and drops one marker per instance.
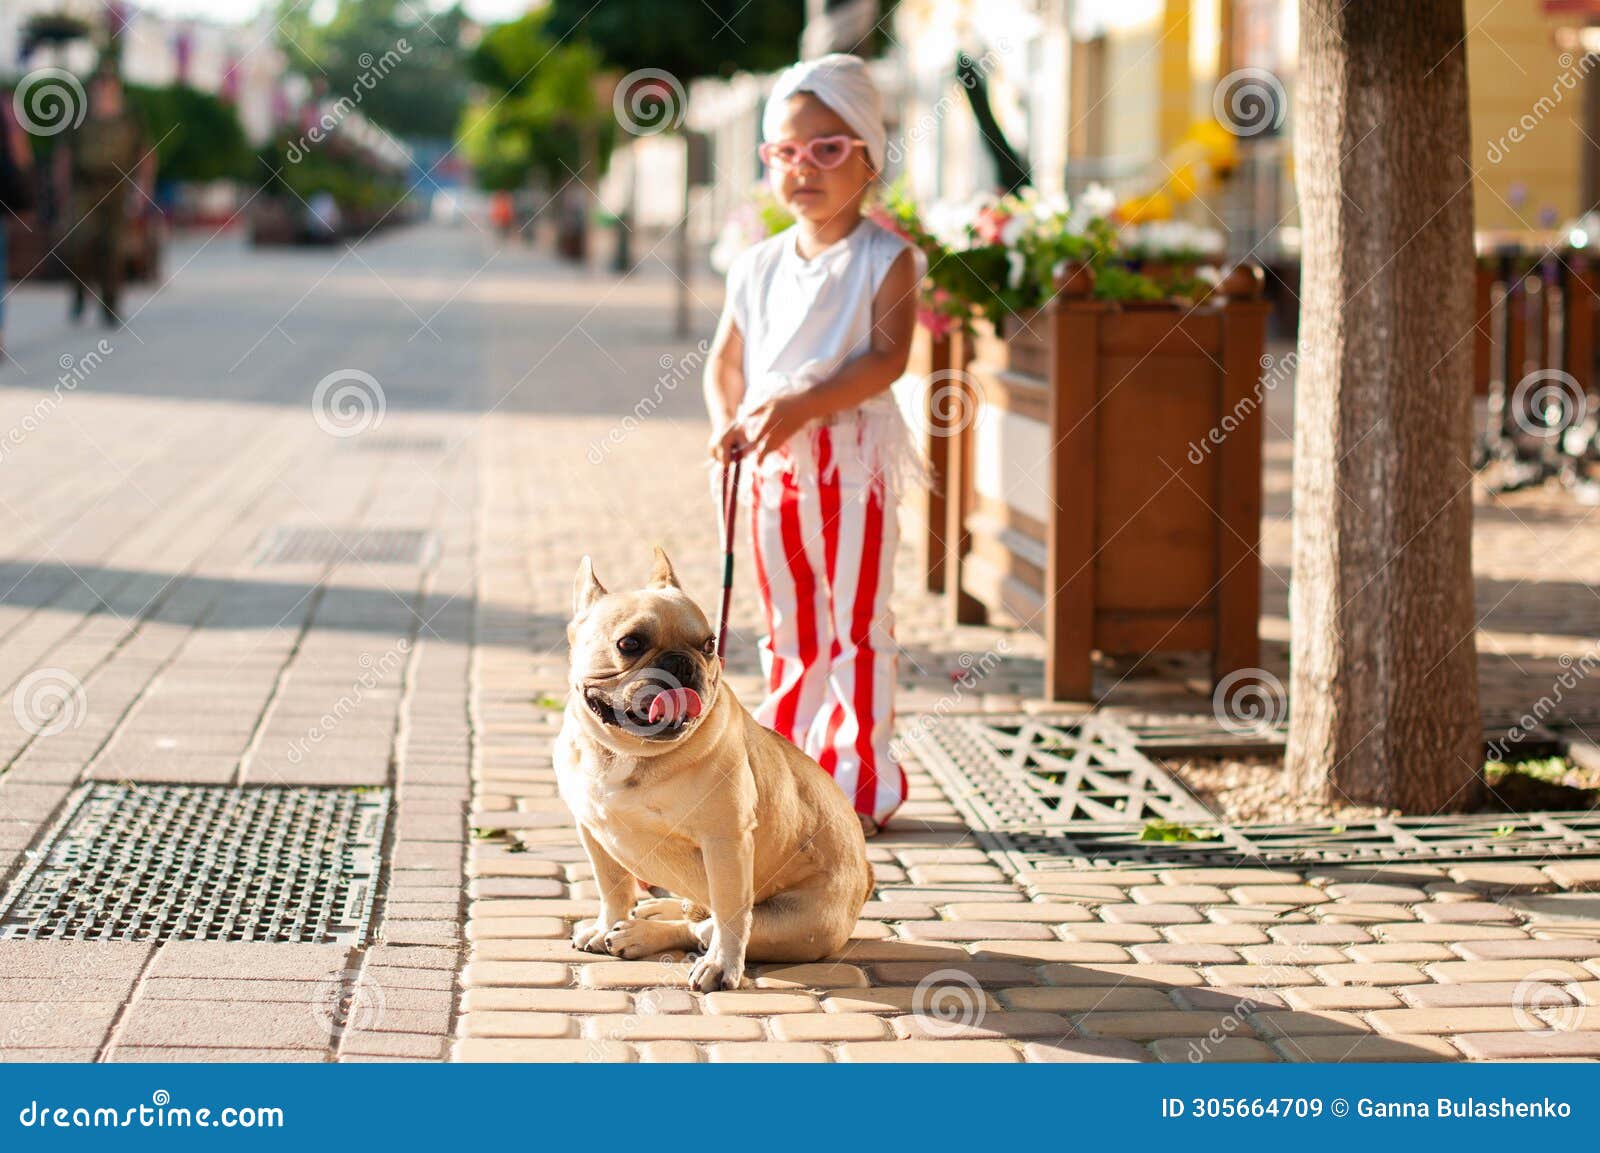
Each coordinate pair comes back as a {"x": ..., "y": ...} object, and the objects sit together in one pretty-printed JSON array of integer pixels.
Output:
[
  {"x": 945, "y": 303},
  {"x": 1171, "y": 242},
  {"x": 1095, "y": 203},
  {"x": 994, "y": 258},
  {"x": 993, "y": 223},
  {"x": 941, "y": 314},
  {"x": 950, "y": 223}
]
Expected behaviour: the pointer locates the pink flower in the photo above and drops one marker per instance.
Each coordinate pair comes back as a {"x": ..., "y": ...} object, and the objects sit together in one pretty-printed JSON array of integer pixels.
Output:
[
  {"x": 882, "y": 217},
  {"x": 938, "y": 323},
  {"x": 990, "y": 224}
]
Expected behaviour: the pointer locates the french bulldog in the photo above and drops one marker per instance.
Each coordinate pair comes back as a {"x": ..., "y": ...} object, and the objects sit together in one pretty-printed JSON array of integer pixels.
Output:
[{"x": 674, "y": 784}]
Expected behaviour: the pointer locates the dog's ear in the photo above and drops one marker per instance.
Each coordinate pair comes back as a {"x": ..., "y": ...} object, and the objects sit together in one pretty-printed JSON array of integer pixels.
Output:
[
  {"x": 586, "y": 589},
  {"x": 661, "y": 574}
]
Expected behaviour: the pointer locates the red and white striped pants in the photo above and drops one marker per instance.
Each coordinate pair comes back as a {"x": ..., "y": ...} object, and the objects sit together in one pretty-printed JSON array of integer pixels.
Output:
[{"x": 824, "y": 558}]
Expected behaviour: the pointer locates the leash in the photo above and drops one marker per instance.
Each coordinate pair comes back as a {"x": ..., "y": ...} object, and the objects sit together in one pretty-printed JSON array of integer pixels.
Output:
[{"x": 730, "y": 498}]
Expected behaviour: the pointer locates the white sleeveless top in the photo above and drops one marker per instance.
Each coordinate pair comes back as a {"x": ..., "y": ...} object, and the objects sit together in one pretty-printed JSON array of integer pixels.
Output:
[
  {"x": 801, "y": 321},
  {"x": 804, "y": 319}
]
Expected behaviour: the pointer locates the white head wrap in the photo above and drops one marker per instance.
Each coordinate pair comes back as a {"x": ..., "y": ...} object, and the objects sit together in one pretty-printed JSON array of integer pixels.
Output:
[{"x": 844, "y": 85}]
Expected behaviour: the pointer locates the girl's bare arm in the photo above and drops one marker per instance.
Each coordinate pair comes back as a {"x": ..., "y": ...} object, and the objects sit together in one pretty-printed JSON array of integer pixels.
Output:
[{"x": 724, "y": 384}]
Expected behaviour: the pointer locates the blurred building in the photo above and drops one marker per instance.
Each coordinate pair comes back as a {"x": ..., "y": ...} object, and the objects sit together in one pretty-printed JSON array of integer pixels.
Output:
[
  {"x": 239, "y": 62},
  {"x": 1118, "y": 91}
]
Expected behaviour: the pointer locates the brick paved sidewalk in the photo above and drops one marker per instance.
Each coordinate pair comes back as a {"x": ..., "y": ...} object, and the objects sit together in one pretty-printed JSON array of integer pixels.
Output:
[
  {"x": 136, "y": 512},
  {"x": 954, "y": 959}
]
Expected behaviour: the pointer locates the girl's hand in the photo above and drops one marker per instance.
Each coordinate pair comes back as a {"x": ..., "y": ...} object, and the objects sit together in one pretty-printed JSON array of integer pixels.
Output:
[
  {"x": 770, "y": 425},
  {"x": 729, "y": 441}
]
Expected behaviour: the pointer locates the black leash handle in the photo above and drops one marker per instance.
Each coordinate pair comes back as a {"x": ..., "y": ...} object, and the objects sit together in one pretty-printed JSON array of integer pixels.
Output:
[{"x": 730, "y": 497}]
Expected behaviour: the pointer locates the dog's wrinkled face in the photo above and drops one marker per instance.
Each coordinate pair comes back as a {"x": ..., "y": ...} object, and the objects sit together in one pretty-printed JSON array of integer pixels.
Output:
[{"x": 629, "y": 649}]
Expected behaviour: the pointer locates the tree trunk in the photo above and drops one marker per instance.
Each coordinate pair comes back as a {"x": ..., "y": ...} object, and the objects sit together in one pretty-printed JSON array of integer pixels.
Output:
[{"x": 1385, "y": 681}]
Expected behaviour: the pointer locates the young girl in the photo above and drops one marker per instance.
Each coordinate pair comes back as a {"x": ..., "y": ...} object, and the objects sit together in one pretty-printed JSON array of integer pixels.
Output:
[{"x": 817, "y": 326}]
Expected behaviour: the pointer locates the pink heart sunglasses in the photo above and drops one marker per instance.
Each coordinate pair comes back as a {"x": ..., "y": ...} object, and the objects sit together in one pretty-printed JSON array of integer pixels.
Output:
[{"x": 819, "y": 152}]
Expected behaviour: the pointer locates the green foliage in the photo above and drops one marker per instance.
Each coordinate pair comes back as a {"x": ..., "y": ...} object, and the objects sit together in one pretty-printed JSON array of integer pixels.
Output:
[
  {"x": 1172, "y": 831},
  {"x": 196, "y": 135},
  {"x": 539, "y": 105},
  {"x": 1003, "y": 258},
  {"x": 422, "y": 89},
  {"x": 1114, "y": 281},
  {"x": 1552, "y": 769},
  {"x": 689, "y": 40},
  {"x": 354, "y": 184}
]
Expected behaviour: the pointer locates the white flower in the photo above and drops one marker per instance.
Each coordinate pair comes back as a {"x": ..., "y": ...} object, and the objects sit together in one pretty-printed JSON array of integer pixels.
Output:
[
  {"x": 950, "y": 224},
  {"x": 1048, "y": 208},
  {"x": 1016, "y": 265},
  {"x": 1013, "y": 230},
  {"x": 1097, "y": 201},
  {"x": 1160, "y": 238}
]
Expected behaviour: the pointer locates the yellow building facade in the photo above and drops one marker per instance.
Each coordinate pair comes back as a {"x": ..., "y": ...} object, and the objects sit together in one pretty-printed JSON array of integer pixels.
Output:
[{"x": 1106, "y": 91}]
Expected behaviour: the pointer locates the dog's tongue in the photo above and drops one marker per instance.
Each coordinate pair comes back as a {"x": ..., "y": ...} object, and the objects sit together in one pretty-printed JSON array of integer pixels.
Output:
[{"x": 674, "y": 705}]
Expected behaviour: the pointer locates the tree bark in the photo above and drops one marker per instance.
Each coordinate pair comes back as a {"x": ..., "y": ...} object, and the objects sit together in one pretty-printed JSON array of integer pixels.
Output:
[{"x": 1384, "y": 688}]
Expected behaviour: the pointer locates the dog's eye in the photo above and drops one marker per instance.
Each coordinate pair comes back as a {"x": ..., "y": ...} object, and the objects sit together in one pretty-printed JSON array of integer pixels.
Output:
[
  {"x": 630, "y": 644},
  {"x": 710, "y": 647}
]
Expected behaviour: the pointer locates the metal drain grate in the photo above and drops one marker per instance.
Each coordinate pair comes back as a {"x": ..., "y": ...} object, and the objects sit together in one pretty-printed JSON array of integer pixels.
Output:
[
  {"x": 321, "y": 546},
  {"x": 196, "y": 863},
  {"x": 1535, "y": 836},
  {"x": 1202, "y": 735},
  {"x": 1075, "y": 793},
  {"x": 1033, "y": 772}
]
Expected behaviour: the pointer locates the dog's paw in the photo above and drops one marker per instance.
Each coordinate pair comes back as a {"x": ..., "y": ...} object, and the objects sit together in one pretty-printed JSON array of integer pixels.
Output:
[
  {"x": 711, "y": 973},
  {"x": 662, "y": 909},
  {"x": 590, "y": 936},
  {"x": 633, "y": 939}
]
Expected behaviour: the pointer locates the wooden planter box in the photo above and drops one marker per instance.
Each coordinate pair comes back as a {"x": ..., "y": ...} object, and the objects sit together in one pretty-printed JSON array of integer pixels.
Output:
[
  {"x": 1101, "y": 510},
  {"x": 931, "y": 407}
]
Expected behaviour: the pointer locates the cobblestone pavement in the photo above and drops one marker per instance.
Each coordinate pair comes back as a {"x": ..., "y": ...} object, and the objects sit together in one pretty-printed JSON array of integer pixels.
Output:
[{"x": 532, "y": 414}]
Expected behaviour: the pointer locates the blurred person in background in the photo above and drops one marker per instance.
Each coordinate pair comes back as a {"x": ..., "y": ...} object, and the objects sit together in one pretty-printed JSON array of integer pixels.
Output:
[
  {"x": 324, "y": 221},
  {"x": 16, "y": 192},
  {"x": 502, "y": 213},
  {"x": 107, "y": 149}
]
